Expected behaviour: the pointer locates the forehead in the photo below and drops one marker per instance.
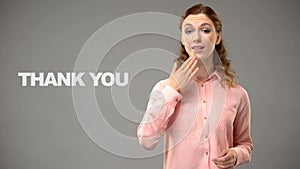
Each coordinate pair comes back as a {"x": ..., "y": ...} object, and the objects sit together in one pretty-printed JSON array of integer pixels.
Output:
[{"x": 197, "y": 20}]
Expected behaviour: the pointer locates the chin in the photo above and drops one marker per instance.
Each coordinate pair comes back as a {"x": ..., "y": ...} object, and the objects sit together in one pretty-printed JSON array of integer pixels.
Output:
[{"x": 201, "y": 56}]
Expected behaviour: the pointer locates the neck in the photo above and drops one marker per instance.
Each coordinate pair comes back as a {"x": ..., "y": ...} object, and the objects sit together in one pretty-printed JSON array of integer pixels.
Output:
[{"x": 206, "y": 68}]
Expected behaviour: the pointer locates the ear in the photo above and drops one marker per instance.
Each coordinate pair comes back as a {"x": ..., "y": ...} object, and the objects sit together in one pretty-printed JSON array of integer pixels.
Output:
[{"x": 219, "y": 38}]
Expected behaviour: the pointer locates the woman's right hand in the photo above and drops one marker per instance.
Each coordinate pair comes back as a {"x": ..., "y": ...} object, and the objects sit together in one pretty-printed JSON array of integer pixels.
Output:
[{"x": 181, "y": 77}]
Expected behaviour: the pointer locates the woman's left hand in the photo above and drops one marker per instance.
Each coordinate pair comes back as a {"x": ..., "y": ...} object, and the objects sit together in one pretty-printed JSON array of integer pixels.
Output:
[{"x": 226, "y": 160}]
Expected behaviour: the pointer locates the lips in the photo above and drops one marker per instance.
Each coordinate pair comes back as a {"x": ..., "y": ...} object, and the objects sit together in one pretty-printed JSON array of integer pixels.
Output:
[{"x": 198, "y": 48}]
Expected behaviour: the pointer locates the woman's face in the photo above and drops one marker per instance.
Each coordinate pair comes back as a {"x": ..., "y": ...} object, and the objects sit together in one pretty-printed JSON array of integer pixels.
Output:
[{"x": 199, "y": 36}]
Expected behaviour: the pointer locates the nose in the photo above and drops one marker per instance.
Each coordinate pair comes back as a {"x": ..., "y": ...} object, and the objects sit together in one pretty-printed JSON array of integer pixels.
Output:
[{"x": 197, "y": 37}]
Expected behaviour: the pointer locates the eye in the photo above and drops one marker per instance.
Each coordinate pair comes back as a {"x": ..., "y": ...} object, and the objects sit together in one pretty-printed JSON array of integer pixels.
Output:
[
  {"x": 188, "y": 31},
  {"x": 206, "y": 31}
]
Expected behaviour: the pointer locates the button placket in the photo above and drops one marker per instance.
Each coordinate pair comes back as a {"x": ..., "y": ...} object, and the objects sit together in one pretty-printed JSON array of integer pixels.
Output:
[{"x": 203, "y": 98}]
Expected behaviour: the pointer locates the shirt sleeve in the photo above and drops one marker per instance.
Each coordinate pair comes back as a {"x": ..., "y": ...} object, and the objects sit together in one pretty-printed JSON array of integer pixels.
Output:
[
  {"x": 242, "y": 140},
  {"x": 161, "y": 106}
]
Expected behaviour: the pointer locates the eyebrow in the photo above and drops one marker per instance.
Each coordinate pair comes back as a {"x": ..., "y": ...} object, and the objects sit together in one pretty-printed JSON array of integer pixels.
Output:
[{"x": 203, "y": 24}]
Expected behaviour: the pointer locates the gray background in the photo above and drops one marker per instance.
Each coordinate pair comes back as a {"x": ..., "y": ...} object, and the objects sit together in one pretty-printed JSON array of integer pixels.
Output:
[{"x": 38, "y": 125}]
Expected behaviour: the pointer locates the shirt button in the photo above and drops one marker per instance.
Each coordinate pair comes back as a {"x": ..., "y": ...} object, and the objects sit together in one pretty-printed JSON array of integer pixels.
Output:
[
  {"x": 206, "y": 153},
  {"x": 177, "y": 100},
  {"x": 205, "y": 118},
  {"x": 204, "y": 101},
  {"x": 202, "y": 85},
  {"x": 206, "y": 136}
]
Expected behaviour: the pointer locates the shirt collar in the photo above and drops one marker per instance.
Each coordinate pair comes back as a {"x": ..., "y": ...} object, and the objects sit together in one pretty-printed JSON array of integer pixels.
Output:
[{"x": 216, "y": 75}]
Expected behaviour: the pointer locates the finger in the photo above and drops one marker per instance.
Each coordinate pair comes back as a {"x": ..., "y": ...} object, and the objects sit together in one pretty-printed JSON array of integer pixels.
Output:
[
  {"x": 222, "y": 159},
  {"x": 229, "y": 162},
  {"x": 191, "y": 68},
  {"x": 174, "y": 68},
  {"x": 185, "y": 64},
  {"x": 224, "y": 156},
  {"x": 194, "y": 65},
  {"x": 189, "y": 64},
  {"x": 194, "y": 73},
  {"x": 225, "y": 165}
]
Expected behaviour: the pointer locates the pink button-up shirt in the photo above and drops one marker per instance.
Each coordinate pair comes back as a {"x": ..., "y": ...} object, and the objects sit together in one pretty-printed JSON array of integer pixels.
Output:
[{"x": 191, "y": 139}]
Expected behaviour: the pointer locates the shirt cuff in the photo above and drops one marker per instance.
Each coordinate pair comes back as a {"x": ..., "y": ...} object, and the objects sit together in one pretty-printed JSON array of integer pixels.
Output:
[
  {"x": 239, "y": 158},
  {"x": 172, "y": 96}
]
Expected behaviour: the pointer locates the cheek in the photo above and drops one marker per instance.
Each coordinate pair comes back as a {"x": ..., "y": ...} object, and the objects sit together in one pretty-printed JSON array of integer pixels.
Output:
[
  {"x": 211, "y": 38},
  {"x": 186, "y": 40},
  {"x": 207, "y": 38}
]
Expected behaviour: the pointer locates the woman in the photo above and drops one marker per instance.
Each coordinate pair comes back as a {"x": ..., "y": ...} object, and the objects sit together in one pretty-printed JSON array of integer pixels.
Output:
[{"x": 202, "y": 112}]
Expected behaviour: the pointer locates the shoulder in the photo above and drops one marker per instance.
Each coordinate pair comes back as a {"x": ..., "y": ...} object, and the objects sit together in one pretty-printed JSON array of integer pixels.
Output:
[
  {"x": 243, "y": 92},
  {"x": 239, "y": 91}
]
